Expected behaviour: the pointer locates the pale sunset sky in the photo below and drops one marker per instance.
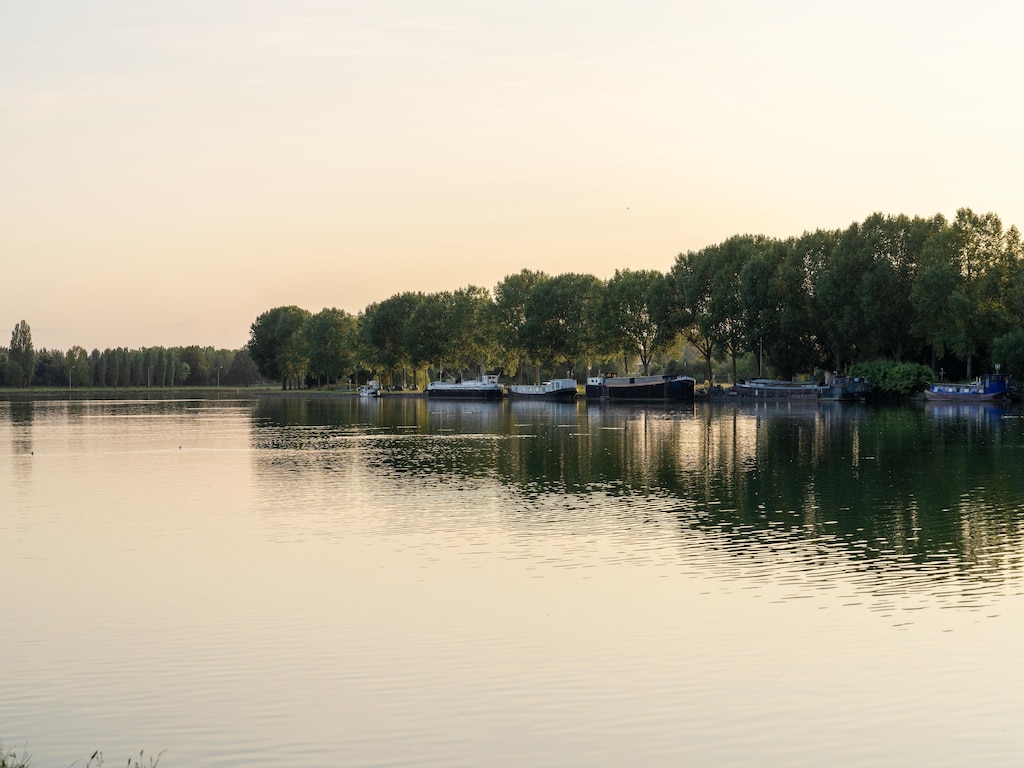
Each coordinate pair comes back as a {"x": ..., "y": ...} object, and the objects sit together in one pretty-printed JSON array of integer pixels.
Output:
[{"x": 170, "y": 170}]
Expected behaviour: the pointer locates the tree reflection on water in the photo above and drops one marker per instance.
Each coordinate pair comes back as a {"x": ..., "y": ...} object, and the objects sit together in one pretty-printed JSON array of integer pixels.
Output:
[{"x": 891, "y": 487}]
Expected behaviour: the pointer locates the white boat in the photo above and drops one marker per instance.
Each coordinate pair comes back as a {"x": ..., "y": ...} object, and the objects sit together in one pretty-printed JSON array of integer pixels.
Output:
[
  {"x": 369, "y": 389},
  {"x": 556, "y": 389},
  {"x": 484, "y": 388}
]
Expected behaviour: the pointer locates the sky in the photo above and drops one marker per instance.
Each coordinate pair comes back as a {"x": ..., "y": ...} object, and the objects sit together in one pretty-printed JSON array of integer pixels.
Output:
[{"x": 171, "y": 170}]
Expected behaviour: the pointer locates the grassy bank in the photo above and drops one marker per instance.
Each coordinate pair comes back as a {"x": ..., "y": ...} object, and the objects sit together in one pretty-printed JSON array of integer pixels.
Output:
[
  {"x": 135, "y": 393},
  {"x": 179, "y": 393}
]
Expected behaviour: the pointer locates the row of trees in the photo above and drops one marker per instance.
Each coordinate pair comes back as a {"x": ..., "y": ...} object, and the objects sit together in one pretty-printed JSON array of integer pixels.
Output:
[
  {"x": 21, "y": 365},
  {"x": 924, "y": 290}
]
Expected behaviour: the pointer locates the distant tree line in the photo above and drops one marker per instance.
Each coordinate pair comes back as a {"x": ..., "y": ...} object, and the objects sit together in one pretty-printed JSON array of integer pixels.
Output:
[
  {"x": 21, "y": 365},
  {"x": 946, "y": 294}
]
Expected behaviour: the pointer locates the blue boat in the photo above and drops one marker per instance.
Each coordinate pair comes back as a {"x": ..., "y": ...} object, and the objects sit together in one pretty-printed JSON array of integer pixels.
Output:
[{"x": 990, "y": 388}]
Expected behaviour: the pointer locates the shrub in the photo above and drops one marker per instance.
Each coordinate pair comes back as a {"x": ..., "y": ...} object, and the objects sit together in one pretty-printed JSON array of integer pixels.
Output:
[{"x": 892, "y": 378}]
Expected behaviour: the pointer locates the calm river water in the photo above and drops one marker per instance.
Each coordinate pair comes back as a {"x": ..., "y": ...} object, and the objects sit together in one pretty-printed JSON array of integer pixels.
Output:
[{"x": 396, "y": 582}]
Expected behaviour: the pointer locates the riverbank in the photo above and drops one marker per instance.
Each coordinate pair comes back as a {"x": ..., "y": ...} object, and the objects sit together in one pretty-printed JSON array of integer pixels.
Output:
[
  {"x": 131, "y": 393},
  {"x": 178, "y": 393}
]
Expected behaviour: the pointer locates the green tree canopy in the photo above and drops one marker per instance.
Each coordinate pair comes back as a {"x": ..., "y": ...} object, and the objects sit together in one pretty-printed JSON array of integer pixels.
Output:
[
  {"x": 561, "y": 319},
  {"x": 382, "y": 330},
  {"x": 509, "y": 308},
  {"x": 426, "y": 336},
  {"x": 76, "y": 366},
  {"x": 698, "y": 319},
  {"x": 330, "y": 339},
  {"x": 275, "y": 344},
  {"x": 21, "y": 356},
  {"x": 625, "y": 317}
]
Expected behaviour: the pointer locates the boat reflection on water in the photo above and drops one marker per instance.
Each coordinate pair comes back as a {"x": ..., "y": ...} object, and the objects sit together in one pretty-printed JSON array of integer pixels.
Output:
[{"x": 979, "y": 412}]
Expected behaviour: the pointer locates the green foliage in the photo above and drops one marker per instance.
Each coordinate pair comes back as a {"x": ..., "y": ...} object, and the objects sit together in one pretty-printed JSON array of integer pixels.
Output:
[
  {"x": 76, "y": 367},
  {"x": 50, "y": 370},
  {"x": 626, "y": 321},
  {"x": 907, "y": 289},
  {"x": 275, "y": 345},
  {"x": 330, "y": 340},
  {"x": 454, "y": 331},
  {"x": 14, "y": 374},
  {"x": 199, "y": 365},
  {"x": 23, "y": 353},
  {"x": 561, "y": 320},
  {"x": 1008, "y": 351},
  {"x": 470, "y": 335},
  {"x": 699, "y": 322},
  {"x": 891, "y": 378},
  {"x": 509, "y": 317},
  {"x": 382, "y": 330},
  {"x": 181, "y": 372},
  {"x": 425, "y": 336},
  {"x": 242, "y": 371},
  {"x": 121, "y": 367}
]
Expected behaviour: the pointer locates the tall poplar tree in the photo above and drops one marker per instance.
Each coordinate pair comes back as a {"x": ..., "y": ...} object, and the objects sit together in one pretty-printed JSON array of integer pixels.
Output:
[{"x": 21, "y": 358}]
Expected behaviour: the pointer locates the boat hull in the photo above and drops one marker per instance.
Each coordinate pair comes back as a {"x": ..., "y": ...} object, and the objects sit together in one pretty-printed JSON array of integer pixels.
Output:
[
  {"x": 673, "y": 389},
  {"x": 562, "y": 397},
  {"x": 562, "y": 390},
  {"x": 485, "y": 388},
  {"x": 465, "y": 393},
  {"x": 839, "y": 389},
  {"x": 940, "y": 397},
  {"x": 992, "y": 388}
]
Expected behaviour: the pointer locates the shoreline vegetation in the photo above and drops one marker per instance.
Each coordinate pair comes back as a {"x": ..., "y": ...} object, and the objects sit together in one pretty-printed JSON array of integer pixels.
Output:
[
  {"x": 10, "y": 758},
  {"x": 181, "y": 393},
  {"x": 703, "y": 392},
  {"x": 912, "y": 300}
]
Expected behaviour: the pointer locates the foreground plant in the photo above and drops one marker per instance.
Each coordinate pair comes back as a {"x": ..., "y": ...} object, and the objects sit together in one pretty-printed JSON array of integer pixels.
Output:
[
  {"x": 9, "y": 758},
  {"x": 96, "y": 761}
]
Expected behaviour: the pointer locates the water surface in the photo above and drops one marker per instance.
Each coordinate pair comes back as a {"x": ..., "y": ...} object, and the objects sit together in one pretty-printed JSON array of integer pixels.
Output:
[{"x": 397, "y": 582}]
